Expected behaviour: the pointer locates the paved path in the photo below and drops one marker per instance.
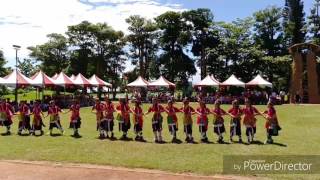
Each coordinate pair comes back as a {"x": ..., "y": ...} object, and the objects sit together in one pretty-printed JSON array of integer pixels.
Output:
[{"x": 25, "y": 170}]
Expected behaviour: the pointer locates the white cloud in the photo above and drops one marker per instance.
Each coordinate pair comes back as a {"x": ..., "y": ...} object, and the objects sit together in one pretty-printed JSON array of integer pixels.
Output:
[{"x": 27, "y": 23}]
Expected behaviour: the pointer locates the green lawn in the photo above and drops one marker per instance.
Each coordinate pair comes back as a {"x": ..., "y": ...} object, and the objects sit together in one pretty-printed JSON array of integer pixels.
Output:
[{"x": 197, "y": 158}]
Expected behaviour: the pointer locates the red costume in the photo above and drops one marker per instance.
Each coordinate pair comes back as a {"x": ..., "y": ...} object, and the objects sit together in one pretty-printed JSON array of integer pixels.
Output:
[{"x": 249, "y": 116}]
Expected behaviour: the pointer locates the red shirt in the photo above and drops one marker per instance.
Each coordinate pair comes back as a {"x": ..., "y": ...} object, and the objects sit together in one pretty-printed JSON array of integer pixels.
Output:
[
  {"x": 138, "y": 115},
  {"x": 98, "y": 107},
  {"x": 219, "y": 112},
  {"x": 250, "y": 111},
  {"x": 109, "y": 109},
  {"x": 36, "y": 111},
  {"x": 54, "y": 110},
  {"x": 203, "y": 117},
  {"x": 249, "y": 116},
  {"x": 156, "y": 109},
  {"x": 187, "y": 110},
  {"x": 124, "y": 110},
  {"x": 172, "y": 112},
  {"x": 24, "y": 109},
  {"x": 235, "y": 111},
  {"x": 75, "y": 111}
]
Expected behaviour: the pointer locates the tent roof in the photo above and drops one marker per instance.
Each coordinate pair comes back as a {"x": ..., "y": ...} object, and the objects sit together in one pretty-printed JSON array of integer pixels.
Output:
[
  {"x": 55, "y": 76},
  {"x": 42, "y": 80},
  {"x": 63, "y": 80},
  {"x": 162, "y": 82},
  {"x": 233, "y": 81},
  {"x": 16, "y": 78},
  {"x": 72, "y": 77},
  {"x": 208, "y": 81},
  {"x": 80, "y": 80},
  {"x": 96, "y": 81},
  {"x": 139, "y": 82},
  {"x": 259, "y": 81}
]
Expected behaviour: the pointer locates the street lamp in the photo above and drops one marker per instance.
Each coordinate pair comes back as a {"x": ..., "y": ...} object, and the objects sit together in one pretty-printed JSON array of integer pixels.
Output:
[{"x": 16, "y": 47}]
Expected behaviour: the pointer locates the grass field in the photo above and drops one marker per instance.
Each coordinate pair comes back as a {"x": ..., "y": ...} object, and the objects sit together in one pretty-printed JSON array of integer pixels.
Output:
[{"x": 300, "y": 136}]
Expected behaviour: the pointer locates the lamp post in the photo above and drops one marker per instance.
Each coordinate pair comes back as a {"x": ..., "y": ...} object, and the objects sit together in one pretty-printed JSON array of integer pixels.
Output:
[{"x": 16, "y": 47}]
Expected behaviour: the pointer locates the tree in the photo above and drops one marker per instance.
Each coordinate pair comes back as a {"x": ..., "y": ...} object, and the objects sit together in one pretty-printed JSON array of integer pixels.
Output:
[
  {"x": 52, "y": 55},
  {"x": 314, "y": 22},
  {"x": 3, "y": 71},
  {"x": 204, "y": 35},
  {"x": 27, "y": 67},
  {"x": 237, "y": 53},
  {"x": 142, "y": 39},
  {"x": 81, "y": 40},
  {"x": 175, "y": 64},
  {"x": 268, "y": 36},
  {"x": 294, "y": 22}
]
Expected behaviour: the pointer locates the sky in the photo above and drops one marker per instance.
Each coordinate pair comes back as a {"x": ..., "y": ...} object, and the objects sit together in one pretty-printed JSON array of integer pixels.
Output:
[{"x": 27, "y": 22}]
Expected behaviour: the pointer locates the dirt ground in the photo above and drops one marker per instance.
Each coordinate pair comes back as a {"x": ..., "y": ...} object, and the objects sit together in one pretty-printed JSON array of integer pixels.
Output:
[{"x": 25, "y": 170}]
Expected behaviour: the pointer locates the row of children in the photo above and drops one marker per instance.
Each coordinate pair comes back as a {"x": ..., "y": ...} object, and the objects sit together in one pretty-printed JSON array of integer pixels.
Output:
[
  {"x": 24, "y": 113},
  {"x": 105, "y": 119}
]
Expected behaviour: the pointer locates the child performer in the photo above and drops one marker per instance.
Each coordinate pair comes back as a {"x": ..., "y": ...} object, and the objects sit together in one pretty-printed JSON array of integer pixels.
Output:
[
  {"x": 218, "y": 121},
  {"x": 249, "y": 120},
  {"x": 98, "y": 110},
  {"x": 157, "y": 109},
  {"x": 24, "y": 118},
  {"x": 109, "y": 110},
  {"x": 272, "y": 124},
  {"x": 187, "y": 111},
  {"x": 75, "y": 120},
  {"x": 54, "y": 111},
  {"x": 172, "y": 120},
  {"x": 138, "y": 120},
  {"x": 37, "y": 122},
  {"x": 202, "y": 120},
  {"x": 235, "y": 123},
  {"x": 5, "y": 116},
  {"x": 123, "y": 117}
]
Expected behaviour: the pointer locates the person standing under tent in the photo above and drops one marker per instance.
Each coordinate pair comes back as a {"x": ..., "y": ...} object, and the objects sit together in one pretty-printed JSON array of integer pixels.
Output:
[
  {"x": 218, "y": 121},
  {"x": 37, "y": 122},
  {"x": 172, "y": 120},
  {"x": 108, "y": 116},
  {"x": 187, "y": 111},
  {"x": 235, "y": 123},
  {"x": 272, "y": 124},
  {"x": 24, "y": 118},
  {"x": 249, "y": 120},
  {"x": 98, "y": 109},
  {"x": 5, "y": 116},
  {"x": 123, "y": 117},
  {"x": 138, "y": 120},
  {"x": 53, "y": 112},
  {"x": 157, "y": 119},
  {"x": 75, "y": 119},
  {"x": 202, "y": 120}
]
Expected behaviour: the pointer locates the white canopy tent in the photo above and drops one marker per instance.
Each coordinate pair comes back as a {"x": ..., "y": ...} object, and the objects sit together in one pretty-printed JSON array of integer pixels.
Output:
[
  {"x": 139, "y": 82},
  {"x": 15, "y": 79},
  {"x": 40, "y": 79},
  {"x": 233, "y": 81},
  {"x": 161, "y": 82},
  {"x": 96, "y": 81},
  {"x": 208, "y": 81},
  {"x": 80, "y": 80},
  {"x": 259, "y": 81},
  {"x": 63, "y": 80}
]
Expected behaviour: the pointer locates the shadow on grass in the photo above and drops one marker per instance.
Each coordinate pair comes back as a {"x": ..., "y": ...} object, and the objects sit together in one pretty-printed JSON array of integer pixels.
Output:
[
  {"x": 55, "y": 134},
  {"x": 76, "y": 136},
  {"x": 5, "y": 134},
  {"x": 279, "y": 144}
]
